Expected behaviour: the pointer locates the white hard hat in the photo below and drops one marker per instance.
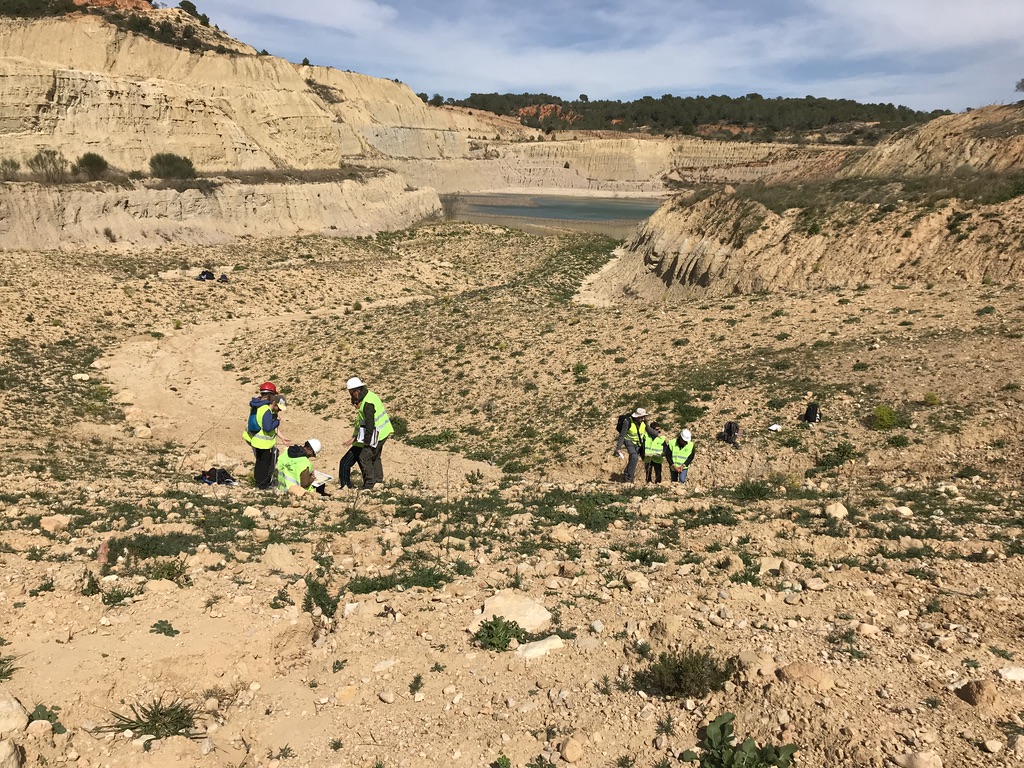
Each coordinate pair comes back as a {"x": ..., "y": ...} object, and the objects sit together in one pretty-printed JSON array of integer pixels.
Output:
[
  {"x": 354, "y": 383},
  {"x": 315, "y": 445},
  {"x": 685, "y": 434}
]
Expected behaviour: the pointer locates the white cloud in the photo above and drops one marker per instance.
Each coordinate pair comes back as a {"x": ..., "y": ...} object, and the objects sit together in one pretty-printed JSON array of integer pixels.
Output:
[{"x": 924, "y": 53}]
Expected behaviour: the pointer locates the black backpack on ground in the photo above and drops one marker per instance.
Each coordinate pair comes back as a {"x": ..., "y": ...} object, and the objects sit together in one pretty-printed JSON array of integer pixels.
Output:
[
  {"x": 812, "y": 414},
  {"x": 730, "y": 432}
]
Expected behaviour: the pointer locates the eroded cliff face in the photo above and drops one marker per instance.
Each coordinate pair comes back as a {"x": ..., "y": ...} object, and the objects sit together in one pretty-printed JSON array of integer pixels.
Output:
[
  {"x": 39, "y": 217},
  {"x": 728, "y": 244},
  {"x": 986, "y": 139},
  {"x": 79, "y": 84}
]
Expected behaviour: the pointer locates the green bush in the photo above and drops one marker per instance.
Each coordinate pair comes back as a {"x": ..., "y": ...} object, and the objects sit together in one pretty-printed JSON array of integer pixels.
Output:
[
  {"x": 166, "y": 165},
  {"x": 718, "y": 750},
  {"x": 753, "y": 490},
  {"x": 684, "y": 674},
  {"x": 842, "y": 453},
  {"x": 497, "y": 633},
  {"x": 318, "y": 595},
  {"x": 36, "y": 8},
  {"x": 884, "y": 418},
  {"x": 91, "y": 165}
]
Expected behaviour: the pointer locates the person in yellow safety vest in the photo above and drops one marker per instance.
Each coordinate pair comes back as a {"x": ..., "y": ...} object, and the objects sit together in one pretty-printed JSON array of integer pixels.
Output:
[
  {"x": 261, "y": 433},
  {"x": 371, "y": 430},
  {"x": 294, "y": 468},
  {"x": 654, "y": 452},
  {"x": 680, "y": 452},
  {"x": 632, "y": 437}
]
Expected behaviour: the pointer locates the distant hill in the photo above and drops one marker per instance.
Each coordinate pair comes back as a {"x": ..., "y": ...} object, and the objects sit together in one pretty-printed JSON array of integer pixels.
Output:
[{"x": 745, "y": 118}]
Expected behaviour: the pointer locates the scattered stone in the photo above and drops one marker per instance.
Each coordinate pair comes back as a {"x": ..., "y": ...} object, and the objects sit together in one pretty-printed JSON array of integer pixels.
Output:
[
  {"x": 572, "y": 750},
  {"x": 517, "y": 607},
  {"x": 387, "y": 696},
  {"x": 1012, "y": 674},
  {"x": 637, "y": 582},
  {"x": 597, "y": 626},
  {"x": 540, "y": 647},
  {"x": 807, "y": 676},
  {"x": 978, "y": 693},
  {"x": 836, "y": 511},
  {"x": 992, "y": 745},
  {"x": 54, "y": 524},
  {"x": 13, "y": 716},
  {"x": 928, "y": 759},
  {"x": 10, "y": 755},
  {"x": 815, "y": 584}
]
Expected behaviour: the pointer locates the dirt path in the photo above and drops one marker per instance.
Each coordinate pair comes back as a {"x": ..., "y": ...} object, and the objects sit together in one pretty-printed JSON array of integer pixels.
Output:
[{"x": 179, "y": 384}]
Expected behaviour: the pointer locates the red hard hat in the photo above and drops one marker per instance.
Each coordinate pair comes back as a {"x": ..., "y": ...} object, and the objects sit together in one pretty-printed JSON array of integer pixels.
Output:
[{"x": 268, "y": 386}]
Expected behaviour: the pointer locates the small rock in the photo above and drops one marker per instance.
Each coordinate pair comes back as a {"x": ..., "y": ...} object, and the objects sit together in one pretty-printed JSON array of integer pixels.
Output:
[
  {"x": 54, "y": 524},
  {"x": 815, "y": 584},
  {"x": 540, "y": 648},
  {"x": 836, "y": 511},
  {"x": 10, "y": 755},
  {"x": 597, "y": 626},
  {"x": 13, "y": 716},
  {"x": 992, "y": 746},
  {"x": 572, "y": 750},
  {"x": 387, "y": 696},
  {"x": 928, "y": 759},
  {"x": 1013, "y": 674},
  {"x": 978, "y": 693}
]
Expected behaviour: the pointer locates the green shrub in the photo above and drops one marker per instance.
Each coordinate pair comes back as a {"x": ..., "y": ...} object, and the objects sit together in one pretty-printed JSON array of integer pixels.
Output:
[
  {"x": 719, "y": 751},
  {"x": 158, "y": 720},
  {"x": 318, "y": 595},
  {"x": 684, "y": 674},
  {"x": 36, "y": 8},
  {"x": 91, "y": 165},
  {"x": 842, "y": 453},
  {"x": 884, "y": 418},
  {"x": 166, "y": 165},
  {"x": 49, "y": 714},
  {"x": 898, "y": 440},
  {"x": 497, "y": 633},
  {"x": 753, "y": 490}
]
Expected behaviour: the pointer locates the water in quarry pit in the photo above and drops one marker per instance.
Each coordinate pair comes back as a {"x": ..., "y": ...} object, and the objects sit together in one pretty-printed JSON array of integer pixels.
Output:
[{"x": 613, "y": 216}]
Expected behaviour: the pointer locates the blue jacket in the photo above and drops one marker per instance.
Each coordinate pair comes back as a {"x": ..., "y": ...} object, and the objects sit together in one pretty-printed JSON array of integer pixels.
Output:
[{"x": 270, "y": 421}]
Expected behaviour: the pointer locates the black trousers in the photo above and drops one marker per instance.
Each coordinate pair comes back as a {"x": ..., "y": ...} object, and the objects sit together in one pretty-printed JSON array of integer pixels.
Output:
[
  {"x": 655, "y": 469},
  {"x": 265, "y": 474},
  {"x": 345, "y": 467}
]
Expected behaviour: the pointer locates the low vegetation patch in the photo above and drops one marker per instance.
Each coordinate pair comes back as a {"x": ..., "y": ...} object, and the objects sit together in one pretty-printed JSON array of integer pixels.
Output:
[{"x": 684, "y": 674}]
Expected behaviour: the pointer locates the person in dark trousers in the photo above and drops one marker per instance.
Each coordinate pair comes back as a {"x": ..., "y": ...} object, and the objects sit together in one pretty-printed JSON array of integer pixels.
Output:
[
  {"x": 632, "y": 438},
  {"x": 268, "y": 406},
  {"x": 371, "y": 430},
  {"x": 680, "y": 452},
  {"x": 654, "y": 452}
]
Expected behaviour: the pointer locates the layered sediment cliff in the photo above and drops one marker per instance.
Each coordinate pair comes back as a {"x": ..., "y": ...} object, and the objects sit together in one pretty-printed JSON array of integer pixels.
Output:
[{"x": 38, "y": 217}]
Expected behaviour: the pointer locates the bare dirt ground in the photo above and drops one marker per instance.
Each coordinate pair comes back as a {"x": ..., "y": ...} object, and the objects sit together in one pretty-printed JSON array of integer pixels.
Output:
[{"x": 859, "y": 572}]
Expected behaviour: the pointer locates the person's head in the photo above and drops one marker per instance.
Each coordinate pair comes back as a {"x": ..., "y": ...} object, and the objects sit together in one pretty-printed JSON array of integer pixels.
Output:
[
  {"x": 356, "y": 389},
  {"x": 685, "y": 436},
  {"x": 313, "y": 447},
  {"x": 268, "y": 388},
  {"x": 639, "y": 414},
  {"x": 655, "y": 428}
]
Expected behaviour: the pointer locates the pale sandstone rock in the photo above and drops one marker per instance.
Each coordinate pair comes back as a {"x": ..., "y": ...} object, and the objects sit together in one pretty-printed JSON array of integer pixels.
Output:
[
  {"x": 517, "y": 607},
  {"x": 807, "y": 675},
  {"x": 13, "y": 716},
  {"x": 927, "y": 759},
  {"x": 540, "y": 648},
  {"x": 10, "y": 755}
]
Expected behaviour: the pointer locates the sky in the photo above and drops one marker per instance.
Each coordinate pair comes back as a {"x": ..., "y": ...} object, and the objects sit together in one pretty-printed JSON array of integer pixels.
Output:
[{"x": 925, "y": 54}]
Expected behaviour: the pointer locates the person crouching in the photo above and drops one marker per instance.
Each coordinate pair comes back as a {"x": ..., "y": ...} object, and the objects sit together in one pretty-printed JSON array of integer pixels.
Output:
[{"x": 294, "y": 468}]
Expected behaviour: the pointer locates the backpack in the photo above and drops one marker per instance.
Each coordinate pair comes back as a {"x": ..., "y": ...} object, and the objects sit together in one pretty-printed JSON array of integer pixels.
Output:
[
  {"x": 812, "y": 414},
  {"x": 730, "y": 432},
  {"x": 253, "y": 425},
  {"x": 622, "y": 421}
]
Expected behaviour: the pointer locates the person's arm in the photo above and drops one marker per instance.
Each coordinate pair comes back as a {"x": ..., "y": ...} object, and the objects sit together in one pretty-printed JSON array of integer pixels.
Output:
[
  {"x": 622, "y": 435},
  {"x": 270, "y": 421},
  {"x": 306, "y": 478},
  {"x": 369, "y": 424}
]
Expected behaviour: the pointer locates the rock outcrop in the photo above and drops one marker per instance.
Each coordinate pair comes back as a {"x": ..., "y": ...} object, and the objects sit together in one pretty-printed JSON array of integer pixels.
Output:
[
  {"x": 39, "y": 217},
  {"x": 730, "y": 244},
  {"x": 986, "y": 139}
]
